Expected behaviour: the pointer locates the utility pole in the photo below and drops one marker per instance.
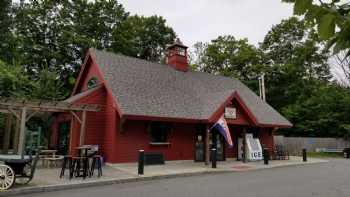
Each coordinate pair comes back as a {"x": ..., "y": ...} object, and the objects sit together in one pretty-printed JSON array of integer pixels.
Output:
[{"x": 262, "y": 87}]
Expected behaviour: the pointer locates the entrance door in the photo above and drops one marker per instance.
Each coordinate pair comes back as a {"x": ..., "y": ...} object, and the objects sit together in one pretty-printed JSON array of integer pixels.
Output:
[
  {"x": 220, "y": 147},
  {"x": 199, "y": 147},
  {"x": 218, "y": 141},
  {"x": 215, "y": 140},
  {"x": 63, "y": 138}
]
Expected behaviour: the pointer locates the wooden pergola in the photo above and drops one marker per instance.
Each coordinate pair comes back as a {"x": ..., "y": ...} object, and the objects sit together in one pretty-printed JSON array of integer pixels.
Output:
[{"x": 23, "y": 110}]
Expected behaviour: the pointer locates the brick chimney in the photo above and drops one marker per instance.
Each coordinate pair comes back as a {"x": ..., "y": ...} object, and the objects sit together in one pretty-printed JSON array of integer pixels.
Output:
[{"x": 177, "y": 56}]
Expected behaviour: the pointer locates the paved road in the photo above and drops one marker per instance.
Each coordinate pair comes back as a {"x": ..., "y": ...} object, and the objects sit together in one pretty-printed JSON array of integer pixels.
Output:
[{"x": 328, "y": 179}]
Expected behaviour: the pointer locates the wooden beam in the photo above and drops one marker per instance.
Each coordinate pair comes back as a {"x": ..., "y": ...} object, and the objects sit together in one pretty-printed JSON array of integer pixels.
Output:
[
  {"x": 82, "y": 129},
  {"x": 207, "y": 145},
  {"x": 48, "y": 106},
  {"x": 5, "y": 111},
  {"x": 76, "y": 116},
  {"x": 22, "y": 132},
  {"x": 71, "y": 135},
  {"x": 14, "y": 113},
  {"x": 7, "y": 135},
  {"x": 31, "y": 115}
]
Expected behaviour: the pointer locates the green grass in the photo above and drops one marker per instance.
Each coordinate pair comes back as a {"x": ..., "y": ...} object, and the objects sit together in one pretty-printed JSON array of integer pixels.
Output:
[{"x": 324, "y": 155}]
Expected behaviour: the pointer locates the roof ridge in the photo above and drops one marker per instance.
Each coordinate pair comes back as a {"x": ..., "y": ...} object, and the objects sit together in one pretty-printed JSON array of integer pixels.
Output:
[
  {"x": 131, "y": 57},
  {"x": 161, "y": 64}
]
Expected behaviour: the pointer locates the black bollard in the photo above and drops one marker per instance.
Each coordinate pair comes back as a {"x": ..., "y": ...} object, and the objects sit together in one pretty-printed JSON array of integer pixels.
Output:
[
  {"x": 213, "y": 157},
  {"x": 304, "y": 155},
  {"x": 266, "y": 156},
  {"x": 141, "y": 162}
]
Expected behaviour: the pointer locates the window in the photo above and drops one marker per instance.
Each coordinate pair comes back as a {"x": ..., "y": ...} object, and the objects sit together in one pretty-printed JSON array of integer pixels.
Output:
[
  {"x": 181, "y": 51},
  {"x": 159, "y": 132},
  {"x": 93, "y": 82}
]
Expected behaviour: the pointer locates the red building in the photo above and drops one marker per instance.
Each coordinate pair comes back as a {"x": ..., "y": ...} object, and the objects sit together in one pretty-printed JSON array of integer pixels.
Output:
[{"x": 164, "y": 108}]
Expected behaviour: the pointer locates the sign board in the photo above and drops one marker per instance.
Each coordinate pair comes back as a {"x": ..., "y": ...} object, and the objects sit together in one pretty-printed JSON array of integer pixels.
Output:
[
  {"x": 254, "y": 149},
  {"x": 230, "y": 112}
]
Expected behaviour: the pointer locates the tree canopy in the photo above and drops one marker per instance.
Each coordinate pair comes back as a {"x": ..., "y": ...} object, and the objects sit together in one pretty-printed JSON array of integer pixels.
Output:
[
  {"x": 332, "y": 19},
  {"x": 57, "y": 34}
]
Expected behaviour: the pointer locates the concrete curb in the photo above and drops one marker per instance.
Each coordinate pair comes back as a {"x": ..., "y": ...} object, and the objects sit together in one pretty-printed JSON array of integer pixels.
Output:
[{"x": 95, "y": 183}]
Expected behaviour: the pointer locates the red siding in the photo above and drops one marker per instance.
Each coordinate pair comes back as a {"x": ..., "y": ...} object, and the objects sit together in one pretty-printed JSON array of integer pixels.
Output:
[
  {"x": 91, "y": 70},
  {"x": 95, "y": 121},
  {"x": 135, "y": 136}
]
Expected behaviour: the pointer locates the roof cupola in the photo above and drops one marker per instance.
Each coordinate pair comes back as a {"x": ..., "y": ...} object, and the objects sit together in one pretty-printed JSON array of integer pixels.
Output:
[{"x": 177, "y": 56}]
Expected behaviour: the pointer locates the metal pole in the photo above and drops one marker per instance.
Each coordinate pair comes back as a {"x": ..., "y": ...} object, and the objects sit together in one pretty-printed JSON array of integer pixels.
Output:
[
  {"x": 141, "y": 162},
  {"x": 266, "y": 156},
  {"x": 213, "y": 157},
  {"x": 260, "y": 88},
  {"x": 304, "y": 155},
  {"x": 263, "y": 86}
]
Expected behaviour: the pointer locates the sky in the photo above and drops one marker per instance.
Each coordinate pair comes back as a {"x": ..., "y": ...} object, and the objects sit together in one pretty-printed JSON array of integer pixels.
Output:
[{"x": 204, "y": 20}]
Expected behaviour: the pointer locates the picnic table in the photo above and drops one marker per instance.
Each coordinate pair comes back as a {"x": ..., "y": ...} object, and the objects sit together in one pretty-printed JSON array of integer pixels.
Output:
[{"x": 49, "y": 158}]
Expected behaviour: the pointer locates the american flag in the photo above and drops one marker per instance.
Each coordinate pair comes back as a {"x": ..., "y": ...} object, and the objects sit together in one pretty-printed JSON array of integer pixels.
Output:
[{"x": 221, "y": 126}]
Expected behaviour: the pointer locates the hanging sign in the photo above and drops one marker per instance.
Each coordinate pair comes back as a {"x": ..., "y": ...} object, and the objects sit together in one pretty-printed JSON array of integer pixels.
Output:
[{"x": 230, "y": 112}]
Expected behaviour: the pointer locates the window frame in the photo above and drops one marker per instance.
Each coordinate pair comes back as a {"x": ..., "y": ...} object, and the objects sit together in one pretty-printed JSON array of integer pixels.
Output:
[
  {"x": 168, "y": 132},
  {"x": 97, "y": 82}
]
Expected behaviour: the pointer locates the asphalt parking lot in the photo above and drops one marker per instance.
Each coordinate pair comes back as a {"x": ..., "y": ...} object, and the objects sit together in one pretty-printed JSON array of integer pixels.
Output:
[{"x": 330, "y": 179}]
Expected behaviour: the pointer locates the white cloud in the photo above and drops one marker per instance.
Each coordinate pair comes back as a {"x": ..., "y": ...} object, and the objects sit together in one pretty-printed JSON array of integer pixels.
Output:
[{"x": 203, "y": 20}]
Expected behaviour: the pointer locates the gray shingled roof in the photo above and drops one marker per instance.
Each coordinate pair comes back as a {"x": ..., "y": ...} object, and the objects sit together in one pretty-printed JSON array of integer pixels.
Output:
[{"x": 150, "y": 89}]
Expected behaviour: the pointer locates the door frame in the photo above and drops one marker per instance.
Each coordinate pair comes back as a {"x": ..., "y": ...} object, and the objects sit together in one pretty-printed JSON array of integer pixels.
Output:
[{"x": 217, "y": 135}]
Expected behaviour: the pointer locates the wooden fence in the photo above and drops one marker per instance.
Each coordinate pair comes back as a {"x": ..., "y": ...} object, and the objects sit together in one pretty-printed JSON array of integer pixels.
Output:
[{"x": 295, "y": 144}]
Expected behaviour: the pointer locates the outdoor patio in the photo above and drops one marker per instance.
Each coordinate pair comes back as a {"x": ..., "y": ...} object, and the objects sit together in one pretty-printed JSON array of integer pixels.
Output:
[{"x": 128, "y": 171}]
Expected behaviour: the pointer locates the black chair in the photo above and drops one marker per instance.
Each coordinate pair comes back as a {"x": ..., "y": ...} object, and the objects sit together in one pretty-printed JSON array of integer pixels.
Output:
[
  {"x": 80, "y": 167},
  {"x": 96, "y": 160},
  {"x": 67, "y": 163}
]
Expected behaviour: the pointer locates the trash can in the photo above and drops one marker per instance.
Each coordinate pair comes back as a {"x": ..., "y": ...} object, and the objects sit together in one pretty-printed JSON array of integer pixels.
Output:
[{"x": 346, "y": 152}]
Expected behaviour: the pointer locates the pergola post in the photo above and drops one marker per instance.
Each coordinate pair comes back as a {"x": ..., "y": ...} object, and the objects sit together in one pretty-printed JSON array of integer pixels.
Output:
[
  {"x": 7, "y": 134},
  {"x": 207, "y": 145},
  {"x": 22, "y": 133},
  {"x": 16, "y": 136},
  {"x": 82, "y": 129}
]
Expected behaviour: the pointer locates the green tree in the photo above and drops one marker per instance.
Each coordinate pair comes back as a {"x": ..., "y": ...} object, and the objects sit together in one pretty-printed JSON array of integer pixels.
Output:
[
  {"x": 332, "y": 19},
  {"x": 14, "y": 82},
  {"x": 325, "y": 113},
  {"x": 48, "y": 86},
  {"x": 58, "y": 34},
  {"x": 143, "y": 37},
  {"x": 295, "y": 60},
  {"x": 8, "y": 42},
  {"x": 229, "y": 57}
]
